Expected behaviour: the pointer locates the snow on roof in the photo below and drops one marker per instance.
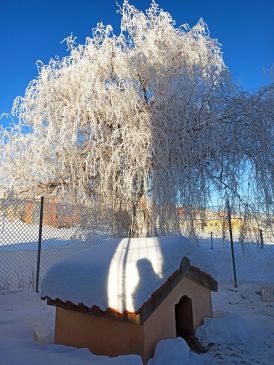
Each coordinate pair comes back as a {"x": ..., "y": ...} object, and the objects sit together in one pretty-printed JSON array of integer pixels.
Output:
[{"x": 121, "y": 274}]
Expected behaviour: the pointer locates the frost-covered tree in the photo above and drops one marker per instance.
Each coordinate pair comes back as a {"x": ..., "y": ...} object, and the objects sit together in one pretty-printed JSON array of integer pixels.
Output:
[{"x": 144, "y": 118}]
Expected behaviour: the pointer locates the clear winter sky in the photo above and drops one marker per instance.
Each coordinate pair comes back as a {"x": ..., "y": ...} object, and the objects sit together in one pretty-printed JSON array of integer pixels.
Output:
[{"x": 33, "y": 29}]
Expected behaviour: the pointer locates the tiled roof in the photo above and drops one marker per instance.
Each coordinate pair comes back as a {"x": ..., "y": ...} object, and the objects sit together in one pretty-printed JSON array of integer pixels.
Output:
[{"x": 139, "y": 316}]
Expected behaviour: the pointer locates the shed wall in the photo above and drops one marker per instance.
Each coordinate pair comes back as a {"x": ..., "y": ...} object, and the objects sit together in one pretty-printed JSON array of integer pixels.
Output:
[
  {"x": 103, "y": 336},
  {"x": 112, "y": 337},
  {"x": 161, "y": 323}
]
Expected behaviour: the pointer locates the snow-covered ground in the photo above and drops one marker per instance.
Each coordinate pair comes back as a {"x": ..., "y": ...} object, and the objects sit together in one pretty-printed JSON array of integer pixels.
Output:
[
  {"x": 253, "y": 263},
  {"x": 14, "y": 232},
  {"x": 26, "y": 336},
  {"x": 19, "y": 244},
  {"x": 19, "y": 248},
  {"x": 241, "y": 332}
]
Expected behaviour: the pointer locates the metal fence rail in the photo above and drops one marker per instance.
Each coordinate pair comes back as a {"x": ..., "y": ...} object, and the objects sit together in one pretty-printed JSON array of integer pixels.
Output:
[{"x": 35, "y": 234}]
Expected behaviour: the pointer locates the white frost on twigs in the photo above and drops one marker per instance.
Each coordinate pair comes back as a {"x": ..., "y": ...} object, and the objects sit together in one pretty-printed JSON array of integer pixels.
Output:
[{"x": 149, "y": 113}]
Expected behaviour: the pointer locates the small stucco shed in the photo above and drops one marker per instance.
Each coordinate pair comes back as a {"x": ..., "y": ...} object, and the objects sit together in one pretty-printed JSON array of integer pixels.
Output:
[{"x": 123, "y": 296}]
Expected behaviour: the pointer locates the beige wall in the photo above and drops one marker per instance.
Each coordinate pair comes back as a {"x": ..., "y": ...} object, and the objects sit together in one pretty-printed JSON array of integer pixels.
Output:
[
  {"x": 103, "y": 336},
  {"x": 112, "y": 337},
  {"x": 161, "y": 324}
]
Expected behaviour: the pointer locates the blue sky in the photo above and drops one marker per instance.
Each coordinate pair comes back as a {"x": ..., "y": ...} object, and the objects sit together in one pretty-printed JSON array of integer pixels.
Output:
[{"x": 33, "y": 29}]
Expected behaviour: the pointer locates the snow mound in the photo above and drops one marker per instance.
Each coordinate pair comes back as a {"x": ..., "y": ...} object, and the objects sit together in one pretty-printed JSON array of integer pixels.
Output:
[
  {"x": 175, "y": 351},
  {"x": 26, "y": 352},
  {"x": 121, "y": 273},
  {"x": 170, "y": 351},
  {"x": 229, "y": 329}
]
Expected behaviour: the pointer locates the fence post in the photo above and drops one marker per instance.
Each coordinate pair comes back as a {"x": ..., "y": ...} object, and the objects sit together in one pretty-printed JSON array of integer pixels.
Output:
[
  {"x": 231, "y": 244},
  {"x": 39, "y": 244},
  {"x": 261, "y": 238},
  {"x": 211, "y": 240}
]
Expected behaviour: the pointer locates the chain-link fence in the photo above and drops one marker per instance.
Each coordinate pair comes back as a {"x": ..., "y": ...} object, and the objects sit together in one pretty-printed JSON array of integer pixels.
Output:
[
  {"x": 19, "y": 237},
  {"x": 35, "y": 234},
  {"x": 232, "y": 237}
]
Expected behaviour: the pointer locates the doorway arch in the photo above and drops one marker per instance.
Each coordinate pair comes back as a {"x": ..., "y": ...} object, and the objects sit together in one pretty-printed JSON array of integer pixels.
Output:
[{"x": 184, "y": 318}]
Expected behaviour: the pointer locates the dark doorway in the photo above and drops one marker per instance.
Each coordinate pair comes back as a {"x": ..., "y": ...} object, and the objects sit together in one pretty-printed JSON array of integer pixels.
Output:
[{"x": 184, "y": 318}]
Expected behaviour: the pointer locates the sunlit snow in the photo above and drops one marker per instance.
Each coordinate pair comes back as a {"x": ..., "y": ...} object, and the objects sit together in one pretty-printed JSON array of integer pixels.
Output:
[
  {"x": 121, "y": 273},
  {"x": 124, "y": 271}
]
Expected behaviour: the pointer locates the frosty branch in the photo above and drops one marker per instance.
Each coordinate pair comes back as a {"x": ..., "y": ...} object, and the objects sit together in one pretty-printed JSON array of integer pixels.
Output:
[{"x": 147, "y": 114}]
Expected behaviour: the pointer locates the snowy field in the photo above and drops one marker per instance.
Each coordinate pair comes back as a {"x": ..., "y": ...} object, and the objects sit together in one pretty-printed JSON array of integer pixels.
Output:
[
  {"x": 241, "y": 332},
  {"x": 19, "y": 245},
  {"x": 19, "y": 248},
  {"x": 253, "y": 263}
]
